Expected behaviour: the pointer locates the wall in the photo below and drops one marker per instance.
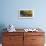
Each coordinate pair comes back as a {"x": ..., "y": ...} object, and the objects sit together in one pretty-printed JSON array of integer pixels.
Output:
[{"x": 9, "y": 13}]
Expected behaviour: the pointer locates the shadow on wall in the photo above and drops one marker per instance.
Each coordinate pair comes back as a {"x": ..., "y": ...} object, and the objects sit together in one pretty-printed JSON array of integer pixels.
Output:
[{"x": 2, "y": 26}]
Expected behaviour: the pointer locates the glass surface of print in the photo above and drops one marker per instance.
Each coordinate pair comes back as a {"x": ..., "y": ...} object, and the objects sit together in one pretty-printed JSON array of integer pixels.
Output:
[{"x": 26, "y": 13}]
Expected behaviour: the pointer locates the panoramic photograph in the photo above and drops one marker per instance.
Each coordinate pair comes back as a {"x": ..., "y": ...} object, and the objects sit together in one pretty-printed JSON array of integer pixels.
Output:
[{"x": 26, "y": 13}]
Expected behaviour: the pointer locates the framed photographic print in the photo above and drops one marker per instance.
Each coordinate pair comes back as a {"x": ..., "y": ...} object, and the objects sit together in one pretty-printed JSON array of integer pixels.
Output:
[{"x": 26, "y": 13}]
